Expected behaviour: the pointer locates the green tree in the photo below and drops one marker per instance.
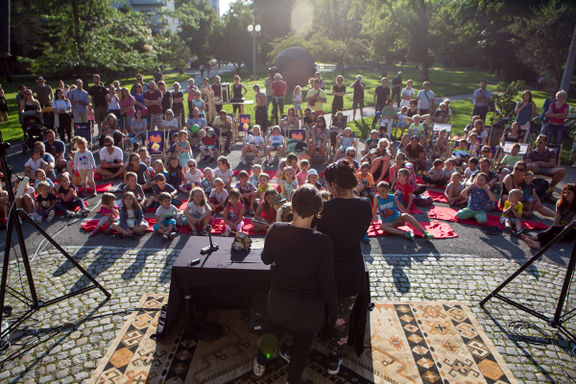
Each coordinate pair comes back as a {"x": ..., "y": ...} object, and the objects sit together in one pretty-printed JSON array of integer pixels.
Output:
[
  {"x": 232, "y": 42},
  {"x": 196, "y": 23}
]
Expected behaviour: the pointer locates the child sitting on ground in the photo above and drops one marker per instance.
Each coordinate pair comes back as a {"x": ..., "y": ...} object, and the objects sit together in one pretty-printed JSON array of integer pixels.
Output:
[
  {"x": 314, "y": 179},
  {"x": 436, "y": 177},
  {"x": 371, "y": 142},
  {"x": 207, "y": 184},
  {"x": 449, "y": 167},
  {"x": 218, "y": 196},
  {"x": 233, "y": 213},
  {"x": 512, "y": 213},
  {"x": 131, "y": 218},
  {"x": 265, "y": 215},
  {"x": 208, "y": 146},
  {"x": 166, "y": 217},
  {"x": 157, "y": 169},
  {"x": 365, "y": 187},
  {"x": 41, "y": 176},
  {"x": 453, "y": 191},
  {"x": 45, "y": 203},
  {"x": 302, "y": 176},
  {"x": 175, "y": 174},
  {"x": 393, "y": 215},
  {"x": 85, "y": 165},
  {"x": 461, "y": 152},
  {"x": 403, "y": 189},
  {"x": 34, "y": 163},
  {"x": 264, "y": 185},
  {"x": 109, "y": 213},
  {"x": 248, "y": 191},
  {"x": 193, "y": 176},
  {"x": 255, "y": 174},
  {"x": 287, "y": 182},
  {"x": 473, "y": 144},
  {"x": 69, "y": 200},
  {"x": 479, "y": 196},
  {"x": 473, "y": 163},
  {"x": 160, "y": 186},
  {"x": 131, "y": 185},
  {"x": 440, "y": 146},
  {"x": 198, "y": 212}
]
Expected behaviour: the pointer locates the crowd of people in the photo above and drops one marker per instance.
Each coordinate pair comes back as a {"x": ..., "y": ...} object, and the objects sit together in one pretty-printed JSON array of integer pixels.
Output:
[{"x": 362, "y": 181}]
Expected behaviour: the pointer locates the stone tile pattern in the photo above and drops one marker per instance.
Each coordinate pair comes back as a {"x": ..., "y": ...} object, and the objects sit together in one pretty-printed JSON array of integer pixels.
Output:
[{"x": 63, "y": 343}]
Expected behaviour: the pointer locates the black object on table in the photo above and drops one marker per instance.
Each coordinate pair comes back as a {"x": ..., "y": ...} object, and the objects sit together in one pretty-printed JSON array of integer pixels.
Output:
[{"x": 222, "y": 279}]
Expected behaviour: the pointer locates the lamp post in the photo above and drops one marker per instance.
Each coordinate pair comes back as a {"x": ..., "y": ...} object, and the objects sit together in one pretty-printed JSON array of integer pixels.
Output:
[{"x": 253, "y": 29}]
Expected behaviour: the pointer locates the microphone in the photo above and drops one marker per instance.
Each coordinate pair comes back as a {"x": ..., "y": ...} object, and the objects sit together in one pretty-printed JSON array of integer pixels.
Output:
[{"x": 212, "y": 247}]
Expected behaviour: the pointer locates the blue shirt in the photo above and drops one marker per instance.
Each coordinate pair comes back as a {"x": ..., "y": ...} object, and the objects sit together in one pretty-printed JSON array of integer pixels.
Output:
[
  {"x": 478, "y": 92},
  {"x": 387, "y": 208},
  {"x": 478, "y": 199},
  {"x": 79, "y": 96}
]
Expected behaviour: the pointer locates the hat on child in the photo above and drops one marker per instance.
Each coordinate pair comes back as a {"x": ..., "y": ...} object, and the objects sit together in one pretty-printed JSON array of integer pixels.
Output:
[
  {"x": 409, "y": 165},
  {"x": 312, "y": 171}
]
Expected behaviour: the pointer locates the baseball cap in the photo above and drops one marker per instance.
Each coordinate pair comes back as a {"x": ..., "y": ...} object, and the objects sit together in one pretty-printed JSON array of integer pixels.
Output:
[{"x": 312, "y": 171}]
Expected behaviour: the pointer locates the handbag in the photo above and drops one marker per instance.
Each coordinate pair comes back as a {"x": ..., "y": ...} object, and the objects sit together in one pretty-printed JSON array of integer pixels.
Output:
[
  {"x": 297, "y": 312},
  {"x": 241, "y": 243}
]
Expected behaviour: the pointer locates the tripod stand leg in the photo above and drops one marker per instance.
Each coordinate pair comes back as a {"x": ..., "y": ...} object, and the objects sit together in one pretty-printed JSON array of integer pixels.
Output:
[{"x": 565, "y": 286}]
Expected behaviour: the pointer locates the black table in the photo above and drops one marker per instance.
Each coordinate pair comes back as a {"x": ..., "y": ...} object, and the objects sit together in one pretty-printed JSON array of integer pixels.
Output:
[{"x": 224, "y": 279}]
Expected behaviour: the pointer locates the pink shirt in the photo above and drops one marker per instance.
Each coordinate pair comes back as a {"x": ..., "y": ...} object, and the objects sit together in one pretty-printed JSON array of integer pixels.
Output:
[
  {"x": 302, "y": 177},
  {"x": 126, "y": 103}
]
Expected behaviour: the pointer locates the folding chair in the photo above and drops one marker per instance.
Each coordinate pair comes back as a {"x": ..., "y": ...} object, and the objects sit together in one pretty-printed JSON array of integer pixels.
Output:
[
  {"x": 296, "y": 142},
  {"x": 234, "y": 128},
  {"x": 156, "y": 144},
  {"x": 269, "y": 159},
  {"x": 84, "y": 130}
]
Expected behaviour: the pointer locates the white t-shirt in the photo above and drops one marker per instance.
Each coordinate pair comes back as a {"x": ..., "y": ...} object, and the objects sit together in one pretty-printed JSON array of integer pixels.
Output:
[
  {"x": 424, "y": 102},
  {"x": 194, "y": 178},
  {"x": 117, "y": 156},
  {"x": 276, "y": 139},
  {"x": 113, "y": 104},
  {"x": 255, "y": 140},
  {"x": 409, "y": 93},
  {"x": 34, "y": 165},
  {"x": 84, "y": 160},
  {"x": 197, "y": 211},
  {"x": 223, "y": 175},
  {"x": 165, "y": 214},
  {"x": 170, "y": 124}
]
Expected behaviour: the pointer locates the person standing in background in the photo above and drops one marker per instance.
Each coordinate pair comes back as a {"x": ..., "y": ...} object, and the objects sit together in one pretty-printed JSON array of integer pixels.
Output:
[
  {"x": 98, "y": 93},
  {"x": 397, "y": 88},
  {"x": 43, "y": 93},
  {"x": 338, "y": 91},
  {"x": 481, "y": 101},
  {"x": 381, "y": 94}
]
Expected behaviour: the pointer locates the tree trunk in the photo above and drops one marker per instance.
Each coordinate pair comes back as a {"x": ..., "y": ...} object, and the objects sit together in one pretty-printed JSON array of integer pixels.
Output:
[
  {"x": 78, "y": 40},
  {"x": 425, "y": 28}
]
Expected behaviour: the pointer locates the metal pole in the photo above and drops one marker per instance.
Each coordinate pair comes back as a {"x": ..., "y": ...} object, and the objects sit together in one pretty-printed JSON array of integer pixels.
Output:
[
  {"x": 254, "y": 55},
  {"x": 569, "y": 67}
]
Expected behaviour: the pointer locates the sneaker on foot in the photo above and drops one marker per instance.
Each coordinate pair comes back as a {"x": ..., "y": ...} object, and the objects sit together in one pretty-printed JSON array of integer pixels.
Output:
[
  {"x": 409, "y": 235},
  {"x": 334, "y": 363},
  {"x": 171, "y": 235},
  {"x": 243, "y": 161},
  {"x": 36, "y": 216},
  {"x": 70, "y": 214},
  {"x": 165, "y": 237},
  {"x": 85, "y": 212},
  {"x": 204, "y": 232},
  {"x": 257, "y": 368},
  {"x": 428, "y": 235},
  {"x": 194, "y": 232},
  {"x": 50, "y": 216},
  {"x": 95, "y": 232},
  {"x": 284, "y": 353}
]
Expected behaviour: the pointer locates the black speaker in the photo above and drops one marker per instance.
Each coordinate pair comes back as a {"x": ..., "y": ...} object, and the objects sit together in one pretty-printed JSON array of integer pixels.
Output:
[{"x": 4, "y": 28}]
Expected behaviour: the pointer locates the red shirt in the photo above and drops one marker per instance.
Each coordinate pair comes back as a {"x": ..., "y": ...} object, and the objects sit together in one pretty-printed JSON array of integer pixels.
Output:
[
  {"x": 279, "y": 88},
  {"x": 556, "y": 120},
  {"x": 154, "y": 95}
]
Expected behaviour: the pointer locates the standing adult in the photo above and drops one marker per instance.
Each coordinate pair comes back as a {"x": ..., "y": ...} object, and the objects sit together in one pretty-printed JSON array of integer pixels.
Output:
[
  {"x": 316, "y": 97},
  {"x": 178, "y": 103},
  {"x": 127, "y": 110},
  {"x": 98, "y": 94},
  {"x": 557, "y": 113},
  {"x": 525, "y": 109},
  {"x": 338, "y": 91},
  {"x": 79, "y": 99},
  {"x": 190, "y": 90},
  {"x": 153, "y": 101},
  {"x": 167, "y": 100},
  {"x": 381, "y": 94},
  {"x": 279, "y": 89},
  {"x": 138, "y": 96},
  {"x": 223, "y": 123},
  {"x": 397, "y": 88},
  {"x": 261, "y": 109},
  {"x": 113, "y": 101},
  {"x": 62, "y": 111},
  {"x": 238, "y": 91},
  {"x": 268, "y": 84},
  {"x": 481, "y": 101},
  {"x": 111, "y": 160},
  {"x": 407, "y": 94},
  {"x": 345, "y": 219},
  {"x": 217, "y": 90},
  {"x": 358, "y": 97},
  {"x": 43, "y": 92},
  {"x": 157, "y": 75},
  {"x": 425, "y": 99},
  {"x": 140, "y": 81},
  {"x": 302, "y": 291}
]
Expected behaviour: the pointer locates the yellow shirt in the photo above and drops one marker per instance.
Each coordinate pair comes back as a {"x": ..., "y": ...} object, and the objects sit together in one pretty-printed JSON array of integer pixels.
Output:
[{"x": 518, "y": 208}]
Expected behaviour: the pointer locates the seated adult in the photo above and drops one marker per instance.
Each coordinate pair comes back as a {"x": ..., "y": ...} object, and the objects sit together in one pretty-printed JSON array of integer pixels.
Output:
[
  {"x": 565, "y": 215},
  {"x": 513, "y": 135},
  {"x": 543, "y": 161},
  {"x": 530, "y": 200},
  {"x": 195, "y": 118},
  {"x": 254, "y": 144},
  {"x": 56, "y": 148},
  {"x": 416, "y": 153},
  {"x": 170, "y": 123},
  {"x": 49, "y": 160},
  {"x": 111, "y": 160}
]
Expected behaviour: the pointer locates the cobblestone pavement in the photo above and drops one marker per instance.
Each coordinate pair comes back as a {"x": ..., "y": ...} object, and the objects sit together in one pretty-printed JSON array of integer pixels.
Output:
[{"x": 63, "y": 343}]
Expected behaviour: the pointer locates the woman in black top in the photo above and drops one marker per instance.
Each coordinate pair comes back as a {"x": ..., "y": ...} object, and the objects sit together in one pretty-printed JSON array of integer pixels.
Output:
[
  {"x": 345, "y": 219},
  {"x": 238, "y": 92},
  {"x": 303, "y": 288}
]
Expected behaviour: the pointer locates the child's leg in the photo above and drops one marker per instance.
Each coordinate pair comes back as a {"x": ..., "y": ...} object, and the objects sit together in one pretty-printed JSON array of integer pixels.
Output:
[
  {"x": 517, "y": 224},
  {"x": 158, "y": 230},
  {"x": 205, "y": 221},
  {"x": 139, "y": 229},
  {"x": 406, "y": 217},
  {"x": 465, "y": 213},
  {"x": 103, "y": 221},
  {"x": 389, "y": 228},
  {"x": 118, "y": 228},
  {"x": 480, "y": 217}
]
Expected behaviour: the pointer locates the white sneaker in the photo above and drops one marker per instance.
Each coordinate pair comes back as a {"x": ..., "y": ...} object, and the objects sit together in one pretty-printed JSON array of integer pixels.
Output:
[
  {"x": 85, "y": 212},
  {"x": 70, "y": 214},
  {"x": 50, "y": 216},
  {"x": 243, "y": 161},
  {"x": 37, "y": 218},
  {"x": 257, "y": 368}
]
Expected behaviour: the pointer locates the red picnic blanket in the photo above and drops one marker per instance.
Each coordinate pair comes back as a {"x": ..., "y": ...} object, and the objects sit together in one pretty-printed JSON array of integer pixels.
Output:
[
  {"x": 90, "y": 225},
  {"x": 439, "y": 230},
  {"x": 449, "y": 214},
  {"x": 437, "y": 196}
]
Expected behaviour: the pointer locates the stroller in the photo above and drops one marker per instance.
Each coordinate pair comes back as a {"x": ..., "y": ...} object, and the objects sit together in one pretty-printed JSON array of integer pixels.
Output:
[{"x": 33, "y": 131}]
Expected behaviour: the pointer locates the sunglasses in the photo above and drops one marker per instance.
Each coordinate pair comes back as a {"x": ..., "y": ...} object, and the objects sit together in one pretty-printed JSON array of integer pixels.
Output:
[
  {"x": 107, "y": 145},
  {"x": 519, "y": 169}
]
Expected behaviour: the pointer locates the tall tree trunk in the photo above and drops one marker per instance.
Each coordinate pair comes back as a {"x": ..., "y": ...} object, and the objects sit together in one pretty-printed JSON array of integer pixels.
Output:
[{"x": 425, "y": 28}]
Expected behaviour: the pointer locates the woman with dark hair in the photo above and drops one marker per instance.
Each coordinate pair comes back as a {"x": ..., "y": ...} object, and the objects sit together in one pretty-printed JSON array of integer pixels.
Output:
[
  {"x": 63, "y": 110},
  {"x": 345, "y": 219},
  {"x": 525, "y": 109},
  {"x": 565, "y": 215},
  {"x": 303, "y": 290}
]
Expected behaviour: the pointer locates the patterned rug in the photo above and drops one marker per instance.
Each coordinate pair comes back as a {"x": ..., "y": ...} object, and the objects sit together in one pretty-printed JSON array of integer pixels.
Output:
[{"x": 410, "y": 342}]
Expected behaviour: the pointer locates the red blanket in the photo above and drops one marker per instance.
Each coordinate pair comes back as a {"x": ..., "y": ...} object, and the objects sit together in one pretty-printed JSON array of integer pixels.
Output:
[
  {"x": 437, "y": 196},
  {"x": 439, "y": 230},
  {"x": 100, "y": 188},
  {"x": 449, "y": 214},
  {"x": 90, "y": 225},
  {"x": 218, "y": 227}
]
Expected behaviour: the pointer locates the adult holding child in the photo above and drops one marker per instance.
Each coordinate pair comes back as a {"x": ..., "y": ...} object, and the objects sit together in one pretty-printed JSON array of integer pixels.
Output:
[
  {"x": 153, "y": 101},
  {"x": 345, "y": 219}
]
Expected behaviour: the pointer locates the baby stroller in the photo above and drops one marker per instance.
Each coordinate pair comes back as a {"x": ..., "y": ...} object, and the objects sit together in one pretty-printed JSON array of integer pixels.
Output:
[{"x": 33, "y": 131}]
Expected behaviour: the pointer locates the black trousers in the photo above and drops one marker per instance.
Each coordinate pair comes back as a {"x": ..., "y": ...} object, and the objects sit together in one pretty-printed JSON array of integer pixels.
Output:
[
  {"x": 298, "y": 353},
  {"x": 65, "y": 127},
  {"x": 551, "y": 232}
]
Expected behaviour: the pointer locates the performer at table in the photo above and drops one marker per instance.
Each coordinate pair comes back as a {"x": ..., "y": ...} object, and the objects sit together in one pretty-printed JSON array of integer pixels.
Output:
[
  {"x": 345, "y": 219},
  {"x": 303, "y": 289}
]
